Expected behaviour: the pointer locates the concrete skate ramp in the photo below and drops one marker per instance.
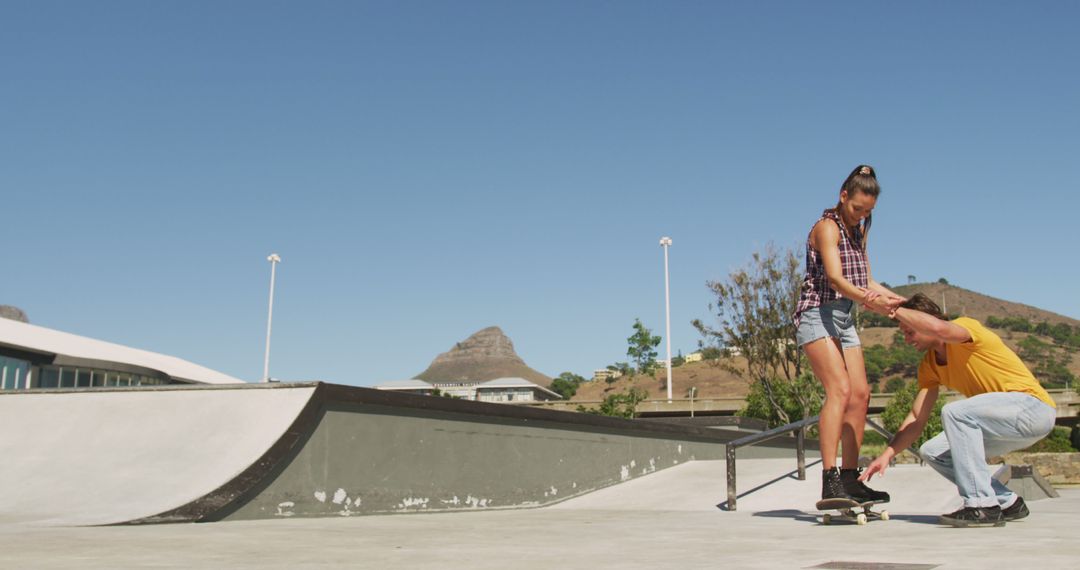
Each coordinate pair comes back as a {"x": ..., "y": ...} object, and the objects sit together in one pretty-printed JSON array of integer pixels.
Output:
[
  {"x": 100, "y": 457},
  {"x": 203, "y": 453}
]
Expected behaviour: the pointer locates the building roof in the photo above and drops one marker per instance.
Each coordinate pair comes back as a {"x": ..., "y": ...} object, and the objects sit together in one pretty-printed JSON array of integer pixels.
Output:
[
  {"x": 72, "y": 350},
  {"x": 515, "y": 383},
  {"x": 411, "y": 384},
  {"x": 417, "y": 384}
]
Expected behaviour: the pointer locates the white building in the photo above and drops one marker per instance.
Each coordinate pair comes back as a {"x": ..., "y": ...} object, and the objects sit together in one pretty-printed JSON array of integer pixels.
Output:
[
  {"x": 497, "y": 390},
  {"x": 37, "y": 357},
  {"x": 605, "y": 373}
]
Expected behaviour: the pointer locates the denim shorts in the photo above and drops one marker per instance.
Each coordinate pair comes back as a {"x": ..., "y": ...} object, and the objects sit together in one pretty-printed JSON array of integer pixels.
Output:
[{"x": 833, "y": 319}]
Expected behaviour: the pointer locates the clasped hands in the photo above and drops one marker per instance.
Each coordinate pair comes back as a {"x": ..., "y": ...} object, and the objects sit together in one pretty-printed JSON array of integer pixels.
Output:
[{"x": 879, "y": 303}]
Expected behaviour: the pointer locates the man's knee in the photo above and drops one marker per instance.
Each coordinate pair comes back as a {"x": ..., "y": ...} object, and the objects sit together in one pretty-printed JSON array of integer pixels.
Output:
[
  {"x": 951, "y": 412},
  {"x": 926, "y": 451},
  {"x": 935, "y": 450}
]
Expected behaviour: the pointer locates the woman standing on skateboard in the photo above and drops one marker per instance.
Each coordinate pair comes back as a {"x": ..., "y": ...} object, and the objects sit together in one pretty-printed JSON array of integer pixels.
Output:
[{"x": 837, "y": 277}]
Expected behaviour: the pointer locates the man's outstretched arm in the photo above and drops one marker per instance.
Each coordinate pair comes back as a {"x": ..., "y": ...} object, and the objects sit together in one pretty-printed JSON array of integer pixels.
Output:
[
  {"x": 919, "y": 321},
  {"x": 909, "y": 431}
]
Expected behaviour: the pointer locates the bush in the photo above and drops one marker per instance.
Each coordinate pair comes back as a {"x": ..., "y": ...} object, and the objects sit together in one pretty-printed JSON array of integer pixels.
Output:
[
  {"x": 619, "y": 405},
  {"x": 870, "y": 319},
  {"x": 1049, "y": 364},
  {"x": 871, "y": 437},
  {"x": 804, "y": 388},
  {"x": 898, "y": 358},
  {"x": 711, "y": 353},
  {"x": 893, "y": 385},
  {"x": 1015, "y": 324},
  {"x": 900, "y": 406},
  {"x": 1062, "y": 333}
]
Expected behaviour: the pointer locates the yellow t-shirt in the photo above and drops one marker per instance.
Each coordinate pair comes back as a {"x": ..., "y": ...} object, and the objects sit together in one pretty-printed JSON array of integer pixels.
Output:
[{"x": 982, "y": 365}]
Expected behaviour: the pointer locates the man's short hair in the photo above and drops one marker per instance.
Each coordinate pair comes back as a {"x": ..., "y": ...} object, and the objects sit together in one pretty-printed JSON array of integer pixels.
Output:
[{"x": 921, "y": 302}]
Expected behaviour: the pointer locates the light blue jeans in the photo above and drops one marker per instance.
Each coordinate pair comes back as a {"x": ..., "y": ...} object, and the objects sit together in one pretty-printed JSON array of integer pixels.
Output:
[{"x": 983, "y": 426}]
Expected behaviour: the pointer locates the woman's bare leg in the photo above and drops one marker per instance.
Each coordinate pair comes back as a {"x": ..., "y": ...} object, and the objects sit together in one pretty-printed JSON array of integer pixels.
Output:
[
  {"x": 827, "y": 361},
  {"x": 855, "y": 412}
]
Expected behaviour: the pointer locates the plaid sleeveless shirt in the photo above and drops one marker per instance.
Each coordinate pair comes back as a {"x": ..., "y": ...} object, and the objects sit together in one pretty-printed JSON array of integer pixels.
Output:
[{"x": 816, "y": 290}]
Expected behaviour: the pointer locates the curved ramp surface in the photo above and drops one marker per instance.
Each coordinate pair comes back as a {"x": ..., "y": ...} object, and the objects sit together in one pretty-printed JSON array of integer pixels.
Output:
[
  {"x": 97, "y": 457},
  {"x": 205, "y": 453}
]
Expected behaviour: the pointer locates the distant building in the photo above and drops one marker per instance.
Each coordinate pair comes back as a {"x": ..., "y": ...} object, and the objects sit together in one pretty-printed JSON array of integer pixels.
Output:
[
  {"x": 36, "y": 357},
  {"x": 413, "y": 386},
  {"x": 497, "y": 390},
  {"x": 605, "y": 373},
  {"x": 513, "y": 390},
  {"x": 693, "y": 357},
  {"x": 459, "y": 389}
]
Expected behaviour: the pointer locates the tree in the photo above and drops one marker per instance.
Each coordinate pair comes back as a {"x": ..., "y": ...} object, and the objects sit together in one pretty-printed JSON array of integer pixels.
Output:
[
  {"x": 566, "y": 384},
  {"x": 711, "y": 353},
  {"x": 801, "y": 397},
  {"x": 899, "y": 407},
  {"x": 753, "y": 308},
  {"x": 618, "y": 370},
  {"x": 943, "y": 281},
  {"x": 642, "y": 349}
]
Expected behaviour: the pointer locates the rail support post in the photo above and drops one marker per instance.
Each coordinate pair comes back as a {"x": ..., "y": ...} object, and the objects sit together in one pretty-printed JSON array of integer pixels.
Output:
[
  {"x": 730, "y": 477},
  {"x": 800, "y": 451}
]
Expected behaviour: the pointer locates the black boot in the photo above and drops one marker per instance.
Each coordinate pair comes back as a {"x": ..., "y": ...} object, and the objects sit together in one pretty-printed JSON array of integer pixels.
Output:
[
  {"x": 832, "y": 487},
  {"x": 858, "y": 490}
]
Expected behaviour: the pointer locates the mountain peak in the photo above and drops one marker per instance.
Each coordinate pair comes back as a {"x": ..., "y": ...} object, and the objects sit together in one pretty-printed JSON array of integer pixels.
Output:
[
  {"x": 486, "y": 355},
  {"x": 13, "y": 313},
  {"x": 490, "y": 342}
]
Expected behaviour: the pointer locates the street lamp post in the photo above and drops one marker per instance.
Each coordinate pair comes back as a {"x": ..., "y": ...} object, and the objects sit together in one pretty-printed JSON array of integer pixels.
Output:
[
  {"x": 274, "y": 259},
  {"x": 665, "y": 242}
]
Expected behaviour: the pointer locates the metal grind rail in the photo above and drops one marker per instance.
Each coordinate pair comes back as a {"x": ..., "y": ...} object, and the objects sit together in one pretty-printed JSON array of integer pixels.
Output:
[{"x": 799, "y": 428}]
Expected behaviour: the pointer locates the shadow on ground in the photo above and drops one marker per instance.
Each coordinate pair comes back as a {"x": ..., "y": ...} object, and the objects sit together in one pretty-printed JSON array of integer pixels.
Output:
[
  {"x": 793, "y": 475},
  {"x": 804, "y": 516}
]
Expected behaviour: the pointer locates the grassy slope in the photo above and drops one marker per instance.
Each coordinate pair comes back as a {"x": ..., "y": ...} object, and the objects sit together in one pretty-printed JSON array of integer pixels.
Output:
[{"x": 714, "y": 382}]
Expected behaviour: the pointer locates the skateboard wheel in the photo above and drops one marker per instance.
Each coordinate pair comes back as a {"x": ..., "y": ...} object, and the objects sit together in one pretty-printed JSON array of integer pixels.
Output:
[
  {"x": 860, "y": 519},
  {"x": 826, "y": 519},
  {"x": 884, "y": 515}
]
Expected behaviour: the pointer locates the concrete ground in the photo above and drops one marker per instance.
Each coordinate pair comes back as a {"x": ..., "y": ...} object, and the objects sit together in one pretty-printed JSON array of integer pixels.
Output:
[{"x": 670, "y": 519}]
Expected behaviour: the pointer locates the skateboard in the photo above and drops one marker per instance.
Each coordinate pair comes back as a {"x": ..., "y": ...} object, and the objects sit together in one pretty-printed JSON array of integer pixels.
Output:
[{"x": 848, "y": 511}]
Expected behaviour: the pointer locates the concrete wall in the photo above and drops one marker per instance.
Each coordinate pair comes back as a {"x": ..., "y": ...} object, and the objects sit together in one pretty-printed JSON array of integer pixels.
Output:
[
  {"x": 197, "y": 453},
  {"x": 1057, "y": 468},
  {"x": 368, "y": 459}
]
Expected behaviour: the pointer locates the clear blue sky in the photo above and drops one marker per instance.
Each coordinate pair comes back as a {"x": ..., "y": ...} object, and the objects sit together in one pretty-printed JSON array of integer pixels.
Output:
[{"x": 427, "y": 169}]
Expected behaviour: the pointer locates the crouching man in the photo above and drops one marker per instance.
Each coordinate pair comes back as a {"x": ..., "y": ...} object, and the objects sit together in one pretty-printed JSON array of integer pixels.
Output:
[{"x": 1006, "y": 409}]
